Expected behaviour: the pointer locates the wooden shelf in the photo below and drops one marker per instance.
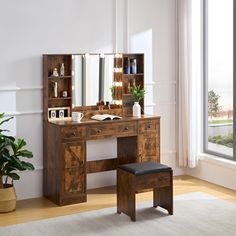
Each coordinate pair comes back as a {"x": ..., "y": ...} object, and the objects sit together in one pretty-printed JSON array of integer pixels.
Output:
[
  {"x": 137, "y": 74},
  {"x": 61, "y": 98},
  {"x": 60, "y": 77}
]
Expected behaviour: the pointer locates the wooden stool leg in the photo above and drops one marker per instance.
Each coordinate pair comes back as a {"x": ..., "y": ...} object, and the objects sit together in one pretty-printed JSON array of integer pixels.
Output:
[
  {"x": 125, "y": 196},
  {"x": 163, "y": 197},
  {"x": 126, "y": 204}
]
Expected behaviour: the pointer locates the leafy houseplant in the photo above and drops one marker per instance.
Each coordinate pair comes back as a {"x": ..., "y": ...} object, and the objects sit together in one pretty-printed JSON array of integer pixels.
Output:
[
  {"x": 138, "y": 94},
  {"x": 11, "y": 150}
]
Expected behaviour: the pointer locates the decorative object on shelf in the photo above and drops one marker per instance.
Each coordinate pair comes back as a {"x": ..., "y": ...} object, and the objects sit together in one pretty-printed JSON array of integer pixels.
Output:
[
  {"x": 136, "y": 109},
  {"x": 55, "y": 72},
  {"x": 127, "y": 65},
  {"x": 64, "y": 94},
  {"x": 137, "y": 94},
  {"x": 62, "y": 69},
  {"x": 108, "y": 104},
  {"x": 53, "y": 114},
  {"x": 100, "y": 105},
  {"x": 10, "y": 153},
  {"x": 58, "y": 113},
  {"x": 77, "y": 116},
  {"x": 133, "y": 66},
  {"x": 61, "y": 113},
  {"x": 55, "y": 89},
  {"x": 128, "y": 87}
]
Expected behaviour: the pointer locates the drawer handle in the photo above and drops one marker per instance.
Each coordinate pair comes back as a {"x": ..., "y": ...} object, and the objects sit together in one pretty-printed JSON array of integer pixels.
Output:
[
  {"x": 149, "y": 126},
  {"x": 99, "y": 131},
  {"x": 73, "y": 133},
  {"x": 126, "y": 128}
]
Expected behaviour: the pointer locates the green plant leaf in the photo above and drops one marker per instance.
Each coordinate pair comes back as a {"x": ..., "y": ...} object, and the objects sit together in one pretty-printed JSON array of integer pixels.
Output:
[
  {"x": 10, "y": 153},
  {"x": 6, "y": 120},
  {"x": 14, "y": 176},
  {"x": 20, "y": 143},
  {"x": 25, "y": 153},
  {"x": 137, "y": 92},
  {"x": 27, "y": 165}
]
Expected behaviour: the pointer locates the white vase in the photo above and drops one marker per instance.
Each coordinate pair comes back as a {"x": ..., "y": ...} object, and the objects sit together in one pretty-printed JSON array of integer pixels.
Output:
[{"x": 136, "y": 109}]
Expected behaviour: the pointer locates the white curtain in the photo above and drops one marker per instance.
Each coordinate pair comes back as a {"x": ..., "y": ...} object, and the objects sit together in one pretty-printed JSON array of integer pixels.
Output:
[{"x": 188, "y": 96}]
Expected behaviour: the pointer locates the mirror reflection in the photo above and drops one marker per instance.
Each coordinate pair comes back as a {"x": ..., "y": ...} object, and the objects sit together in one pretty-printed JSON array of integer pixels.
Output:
[{"x": 92, "y": 78}]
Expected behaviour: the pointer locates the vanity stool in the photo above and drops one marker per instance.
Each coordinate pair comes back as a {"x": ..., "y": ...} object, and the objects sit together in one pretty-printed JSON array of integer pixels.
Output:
[{"x": 132, "y": 178}]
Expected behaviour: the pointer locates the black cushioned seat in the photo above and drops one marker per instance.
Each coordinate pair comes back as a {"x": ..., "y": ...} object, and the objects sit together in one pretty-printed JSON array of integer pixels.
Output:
[{"x": 143, "y": 168}]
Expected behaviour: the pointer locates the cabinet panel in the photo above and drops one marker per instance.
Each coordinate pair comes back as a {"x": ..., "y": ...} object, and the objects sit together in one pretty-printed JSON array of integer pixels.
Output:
[
  {"x": 73, "y": 183},
  {"x": 74, "y": 154},
  {"x": 74, "y": 180},
  {"x": 149, "y": 147}
]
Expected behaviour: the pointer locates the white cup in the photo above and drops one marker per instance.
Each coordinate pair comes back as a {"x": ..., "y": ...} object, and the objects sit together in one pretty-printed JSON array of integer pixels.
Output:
[{"x": 77, "y": 116}]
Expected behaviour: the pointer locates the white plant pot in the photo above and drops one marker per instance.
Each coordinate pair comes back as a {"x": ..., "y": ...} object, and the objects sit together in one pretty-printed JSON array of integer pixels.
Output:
[{"x": 136, "y": 109}]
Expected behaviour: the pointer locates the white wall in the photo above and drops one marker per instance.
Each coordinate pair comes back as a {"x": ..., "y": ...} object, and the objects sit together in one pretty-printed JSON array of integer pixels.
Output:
[
  {"x": 30, "y": 28},
  {"x": 152, "y": 30},
  {"x": 215, "y": 170}
]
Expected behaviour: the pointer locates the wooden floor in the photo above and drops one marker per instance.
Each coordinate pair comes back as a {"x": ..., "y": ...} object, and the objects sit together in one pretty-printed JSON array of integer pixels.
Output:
[{"x": 41, "y": 208}]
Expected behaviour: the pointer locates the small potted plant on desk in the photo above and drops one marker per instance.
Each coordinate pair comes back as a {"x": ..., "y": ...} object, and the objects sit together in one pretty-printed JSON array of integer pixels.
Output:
[
  {"x": 138, "y": 94},
  {"x": 10, "y": 163}
]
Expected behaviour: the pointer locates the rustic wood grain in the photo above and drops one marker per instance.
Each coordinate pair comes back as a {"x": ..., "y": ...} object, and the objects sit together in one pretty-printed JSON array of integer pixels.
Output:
[{"x": 129, "y": 184}]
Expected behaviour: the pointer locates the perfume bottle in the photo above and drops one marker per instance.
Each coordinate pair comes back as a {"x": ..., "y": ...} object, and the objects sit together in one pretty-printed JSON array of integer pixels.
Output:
[
  {"x": 62, "y": 69},
  {"x": 133, "y": 66}
]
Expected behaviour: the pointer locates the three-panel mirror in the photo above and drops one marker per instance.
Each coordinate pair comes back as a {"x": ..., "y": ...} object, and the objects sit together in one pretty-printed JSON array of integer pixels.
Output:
[{"x": 92, "y": 78}]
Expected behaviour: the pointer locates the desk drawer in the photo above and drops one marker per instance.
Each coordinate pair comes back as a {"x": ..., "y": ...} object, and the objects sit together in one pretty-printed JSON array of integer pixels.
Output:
[
  {"x": 73, "y": 132},
  {"x": 148, "y": 125},
  {"x": 103, "y": 130},
  {"x": 127, "y": 129}
]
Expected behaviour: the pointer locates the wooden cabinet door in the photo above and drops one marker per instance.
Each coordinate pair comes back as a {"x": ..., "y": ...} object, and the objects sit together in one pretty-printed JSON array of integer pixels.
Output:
[
  {"x": 74, "y": 172},
  {"x": 149, "y": 140},
  {"x": 149, "y": 147}
]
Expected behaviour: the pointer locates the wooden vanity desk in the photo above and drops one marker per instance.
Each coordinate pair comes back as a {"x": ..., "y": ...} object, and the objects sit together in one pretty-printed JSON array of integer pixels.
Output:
[
  {"x": 138, "y": 140},
  {"x": 64, "y": 151}
]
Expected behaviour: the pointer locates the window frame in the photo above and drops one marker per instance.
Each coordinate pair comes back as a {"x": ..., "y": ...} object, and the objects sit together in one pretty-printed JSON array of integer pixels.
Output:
[{"x": 205, "y": 84}]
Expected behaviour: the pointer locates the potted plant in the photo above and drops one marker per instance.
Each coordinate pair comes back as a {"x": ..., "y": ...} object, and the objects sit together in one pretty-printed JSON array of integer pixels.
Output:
[
  {"x": 11, "y": 150},
  {"x": 138, "y": 94}
]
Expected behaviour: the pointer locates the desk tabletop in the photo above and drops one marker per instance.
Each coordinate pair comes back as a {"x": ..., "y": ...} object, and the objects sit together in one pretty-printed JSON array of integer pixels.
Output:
[{"x": 68, "y": 121}]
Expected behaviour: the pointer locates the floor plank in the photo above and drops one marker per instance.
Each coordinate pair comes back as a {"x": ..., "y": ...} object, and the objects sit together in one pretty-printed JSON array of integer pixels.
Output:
[{"x": 41, "y": 208}]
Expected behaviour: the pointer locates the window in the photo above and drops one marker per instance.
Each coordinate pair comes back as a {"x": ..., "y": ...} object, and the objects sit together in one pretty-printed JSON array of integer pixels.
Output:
[{"x": 218, "y": 77}]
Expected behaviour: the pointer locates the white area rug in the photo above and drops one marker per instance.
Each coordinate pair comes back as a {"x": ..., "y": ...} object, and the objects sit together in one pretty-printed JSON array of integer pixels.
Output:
[{"x": 194, "y": 214}]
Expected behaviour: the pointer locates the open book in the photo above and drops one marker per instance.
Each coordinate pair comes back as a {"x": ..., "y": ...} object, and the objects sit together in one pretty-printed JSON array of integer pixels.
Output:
[{"x": 105, "y": 117}]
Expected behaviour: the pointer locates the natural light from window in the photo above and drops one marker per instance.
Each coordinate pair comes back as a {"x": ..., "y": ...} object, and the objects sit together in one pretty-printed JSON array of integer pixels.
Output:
[{"x": 219, "y": 48}]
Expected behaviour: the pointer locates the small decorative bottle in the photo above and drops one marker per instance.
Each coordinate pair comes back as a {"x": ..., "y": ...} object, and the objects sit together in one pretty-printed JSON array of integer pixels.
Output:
[
  {"x": 133, "y": 66},
  {"x": 62, "y": 69},
  {"x": 127, "y": 65},
  {"x": 55, "y": 90},
  {"x": 136, "y": 109}
]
